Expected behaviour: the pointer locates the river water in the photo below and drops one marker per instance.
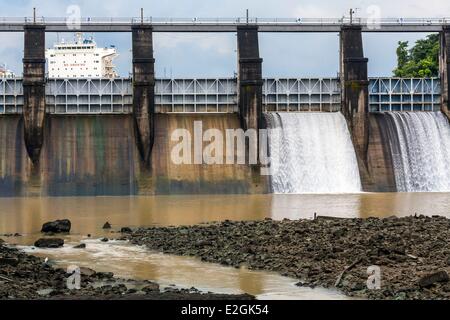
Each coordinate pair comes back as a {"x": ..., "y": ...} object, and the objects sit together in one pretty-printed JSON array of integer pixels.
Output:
[{"x": 88, "y": 214}]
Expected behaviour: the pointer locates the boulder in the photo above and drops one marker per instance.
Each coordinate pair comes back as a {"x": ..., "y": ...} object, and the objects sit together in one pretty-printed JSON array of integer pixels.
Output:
[
  {"x": 80, "y": 246},
  {"x": 126, "y": 230},
  {"x": 57, "y": 226},
  {"x": 104, "y": 275},
  {"x": 430, "y": 279},
  {"x": 104, "y": 239},
  {"x": 152, "y": 287},
  {"x": 107, "y": 225},
  {"x": 88, "y": 272},
  {"x": 49, "y": 243}
]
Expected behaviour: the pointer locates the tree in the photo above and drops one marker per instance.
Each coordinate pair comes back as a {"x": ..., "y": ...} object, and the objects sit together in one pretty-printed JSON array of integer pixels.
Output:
[{"x": 420, "y": 61}]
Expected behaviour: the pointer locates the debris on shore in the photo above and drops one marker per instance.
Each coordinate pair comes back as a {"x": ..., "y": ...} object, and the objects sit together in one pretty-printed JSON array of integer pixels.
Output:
[{"x": 412, "y": 253}]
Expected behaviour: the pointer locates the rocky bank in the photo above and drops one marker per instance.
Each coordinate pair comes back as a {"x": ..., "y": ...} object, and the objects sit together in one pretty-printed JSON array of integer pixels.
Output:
[
  {"x": 413, "y": 253},
  {"x": 23, "y": 276}
]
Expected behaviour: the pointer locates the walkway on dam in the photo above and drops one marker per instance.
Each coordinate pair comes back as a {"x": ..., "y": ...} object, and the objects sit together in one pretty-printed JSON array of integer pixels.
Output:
[{"x": 110, "y": 24}]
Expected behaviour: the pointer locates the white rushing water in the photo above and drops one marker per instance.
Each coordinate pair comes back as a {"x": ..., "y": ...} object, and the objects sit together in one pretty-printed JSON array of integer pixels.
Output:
[
  {"x": 420, "y": 145},
  {"x": 315, "y": 154}
]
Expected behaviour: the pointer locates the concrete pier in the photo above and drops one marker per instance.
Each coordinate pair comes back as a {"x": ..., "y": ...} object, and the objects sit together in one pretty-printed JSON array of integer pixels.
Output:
[
  {"x": 250, "y": 81},
  {"x": 34, "y": 89},
  {"x": 143, "y": 89},
  {"x": 444, "y": 65},
  {"x": 354, "y": 86}
]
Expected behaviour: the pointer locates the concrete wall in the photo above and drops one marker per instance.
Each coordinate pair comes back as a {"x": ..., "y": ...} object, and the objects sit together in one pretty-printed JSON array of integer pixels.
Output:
[
  {"x": 197, "y": 178},
  {"x": 15, "y": 165},
  {"x": 143, "y": 89},
  {"x": 355, "y": 94},
  {"x": 444, "y": 65},
  {"x": 89, "y": 155},
  {"x": 97, "y": 155},
  {"x": 380, "y": 176},
  {"x": 34, "y": 89}
]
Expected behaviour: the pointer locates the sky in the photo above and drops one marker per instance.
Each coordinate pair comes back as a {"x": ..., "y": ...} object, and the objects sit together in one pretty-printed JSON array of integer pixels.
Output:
[{"x": 214, "y": 55}]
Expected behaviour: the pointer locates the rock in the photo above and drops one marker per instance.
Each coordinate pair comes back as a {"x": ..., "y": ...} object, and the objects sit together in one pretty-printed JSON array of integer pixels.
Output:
[
  {"x": 152, "y": 287},
  {"x": 107, "y": 225},
  {"x": 17, "y": 235},
  {"x": 126, "y": 230},
  {"x": 80, "y": 246},
  {"x": 104, "y": 275},
  {"x": 9, "y": 261},
  {"x": 49, "y": 243},
  {"x": 87, "y": 272},
  {"x": 2, "y": 241},
  {"x": 45, "y": 292},
  {"x": 57, "y": 226},
  {"x": 447, "y": 262},
  {"x": 104, "y": 239},
  {"x": 430, "y": 279}
]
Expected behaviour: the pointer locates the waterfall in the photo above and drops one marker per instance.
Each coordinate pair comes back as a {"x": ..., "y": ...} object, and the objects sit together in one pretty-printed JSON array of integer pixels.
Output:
[
  {"x": 315, "y": 154},
  {"x": 420, "y": 148}
]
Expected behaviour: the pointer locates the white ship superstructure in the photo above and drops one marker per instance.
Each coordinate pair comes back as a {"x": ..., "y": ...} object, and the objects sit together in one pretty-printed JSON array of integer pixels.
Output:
[
  {"x": 5, "y": 73},
  {"x": 80, "y": 59}
]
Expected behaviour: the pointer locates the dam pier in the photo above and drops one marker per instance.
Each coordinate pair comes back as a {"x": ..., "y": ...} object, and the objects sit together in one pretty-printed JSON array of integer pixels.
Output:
[
  {"x": 34, "y": 89},
  {"x": 113, "y": 136},
  {"x": 444, "y": 63},
  {"x": 143, "y": 89}
]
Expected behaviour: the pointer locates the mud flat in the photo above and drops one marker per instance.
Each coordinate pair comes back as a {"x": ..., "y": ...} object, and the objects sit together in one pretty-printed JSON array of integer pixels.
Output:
[
  {"x": 413, "y": 253},
  {"x": 23, "y": 276}
]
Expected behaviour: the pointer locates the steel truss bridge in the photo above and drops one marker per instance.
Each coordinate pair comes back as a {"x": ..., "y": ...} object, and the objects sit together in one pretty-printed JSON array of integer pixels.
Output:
[
  {"x": 98, "y": 24},
  {"x": 97, "y": 96}
]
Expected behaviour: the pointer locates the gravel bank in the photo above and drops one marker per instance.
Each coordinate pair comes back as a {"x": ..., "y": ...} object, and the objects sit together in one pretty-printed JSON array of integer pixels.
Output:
[{"x": 413, "y": 253}]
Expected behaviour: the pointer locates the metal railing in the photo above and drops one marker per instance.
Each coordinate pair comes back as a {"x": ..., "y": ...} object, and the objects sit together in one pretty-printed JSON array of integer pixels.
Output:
[
  {"x": 96, "y": 96},
  {"x": 404, "y": 94},
  {"x": 235, "y": 20},
  {"x": 196, "y": 95},
  {"x": 291, "y": 94}
]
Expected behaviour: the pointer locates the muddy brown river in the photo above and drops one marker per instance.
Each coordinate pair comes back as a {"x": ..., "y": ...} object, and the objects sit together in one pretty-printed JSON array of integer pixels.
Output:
[{"x": 88, "y": 214}]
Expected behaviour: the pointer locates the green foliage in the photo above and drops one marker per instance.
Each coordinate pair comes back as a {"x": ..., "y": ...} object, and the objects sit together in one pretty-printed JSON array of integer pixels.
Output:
[{"x": 420, "y": 61}]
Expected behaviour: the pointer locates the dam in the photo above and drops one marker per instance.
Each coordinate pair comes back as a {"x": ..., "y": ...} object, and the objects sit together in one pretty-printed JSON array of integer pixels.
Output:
[
  {"x": 62, "y": 137},
  {"x": 240, "y": 184}
]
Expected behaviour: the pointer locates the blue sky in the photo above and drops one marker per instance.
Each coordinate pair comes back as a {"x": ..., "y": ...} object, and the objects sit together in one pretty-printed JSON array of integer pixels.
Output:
[{"x": 213, "y": 55}]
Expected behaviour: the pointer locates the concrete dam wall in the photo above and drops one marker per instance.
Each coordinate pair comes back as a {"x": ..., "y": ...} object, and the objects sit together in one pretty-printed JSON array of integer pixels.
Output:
[
  {"x": 97, "y": 155},
  {"x": 198, "y": 178},
  {"x": 15, "y": 166},
  {"x": 81, "y": 155}
]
